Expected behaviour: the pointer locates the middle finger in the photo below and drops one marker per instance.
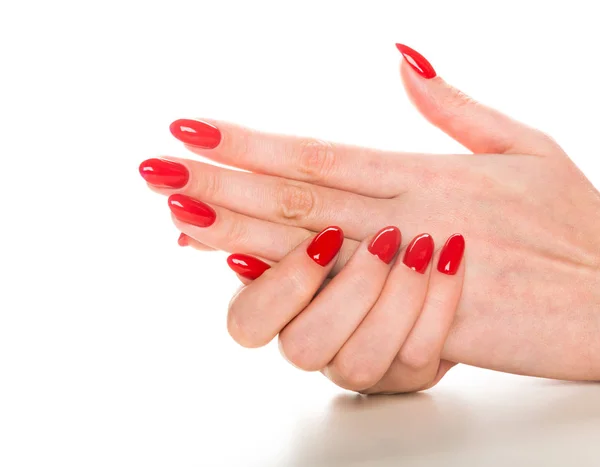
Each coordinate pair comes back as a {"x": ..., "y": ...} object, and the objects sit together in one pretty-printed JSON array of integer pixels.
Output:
[{"x": 270, "y": 198}]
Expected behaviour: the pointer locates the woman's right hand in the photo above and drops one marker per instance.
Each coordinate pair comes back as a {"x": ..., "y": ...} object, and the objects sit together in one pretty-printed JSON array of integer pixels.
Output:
[
  {"x": 379, "y": 326},
  {"x": 531, "y": 299}
]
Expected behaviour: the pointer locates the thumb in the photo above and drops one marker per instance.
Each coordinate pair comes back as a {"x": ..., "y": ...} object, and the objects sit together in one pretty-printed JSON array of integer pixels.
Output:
[{"x": 479, "y": 128}]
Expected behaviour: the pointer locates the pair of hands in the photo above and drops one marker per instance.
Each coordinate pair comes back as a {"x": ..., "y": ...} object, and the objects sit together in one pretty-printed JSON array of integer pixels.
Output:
[{"x": 531, "y": 297}]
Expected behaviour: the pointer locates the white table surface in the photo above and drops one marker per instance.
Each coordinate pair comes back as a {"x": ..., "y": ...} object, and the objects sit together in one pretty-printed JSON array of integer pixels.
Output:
[{"x": 473, "y": 418}]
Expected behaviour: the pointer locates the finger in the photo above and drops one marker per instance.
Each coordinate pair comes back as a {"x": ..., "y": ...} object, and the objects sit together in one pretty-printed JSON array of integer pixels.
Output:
[
  {"x": 316, "y": 335},
  {"x": 479, "y": 128},
  {"x": 249, "y": 268},
  {"x": 318, "y": 162},
  {"x": 272, "y": 198},
  {"x": 428, "y": 336},
  {"x": 265, "y": 306},
  {"x": 444, "y": 367},
  {"x": 396, "y": 382},
  {"x": 185, "y": 240},
  {"x": 366, "y": 356},
  {"x": 418, "y": 362},
  {"x": 225, "y": 230}
]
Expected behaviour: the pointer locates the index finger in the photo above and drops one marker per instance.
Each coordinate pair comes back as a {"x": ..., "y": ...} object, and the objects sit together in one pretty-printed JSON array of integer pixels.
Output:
[{"x": 311, "y": 160}]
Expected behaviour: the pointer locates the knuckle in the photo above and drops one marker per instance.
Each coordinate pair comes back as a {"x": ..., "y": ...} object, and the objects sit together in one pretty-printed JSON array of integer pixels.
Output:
[
  {"x": 316, "y": 158},
  {"x": 414, "y": 357},
  {"x": 458, "y": 99},
  {"x": 237, "y": 232},
  {"x": 238, "y": 329},
  {"x": 296, "y": 201},
  {"x": 296, "y": 352},
  {"x": 208, "y": 184},
  {"x": 356, "y": 374},
  {"x": 547, "y": 139},
  {"x": 453, "y": 102},
  {"x": 242, "y": 326}
]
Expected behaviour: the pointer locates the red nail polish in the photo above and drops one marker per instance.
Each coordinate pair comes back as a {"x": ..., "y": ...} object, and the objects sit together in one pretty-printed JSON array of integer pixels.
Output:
[
  {"x": 164, "y": 174},
  {"x": 386, "y": 243},
  {"x": 419, "y": 253},
  {"x": 183, "y": 240},
  {"x": 192, "y": 211},
  {"x": 451, "y": 255},
  {"x": 247, "y": 266},
  {"x": 197, "y": 133},
  {"x": 419, "y": 63},
  {"x": 326, "y": 245}
]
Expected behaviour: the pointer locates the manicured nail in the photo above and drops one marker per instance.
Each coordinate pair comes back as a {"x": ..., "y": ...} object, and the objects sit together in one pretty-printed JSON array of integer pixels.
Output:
[
  {"x": 326, "y": 245},
  {"x": 197, "y": 133},
  {"x": 386, "y": 243},
  {"x": 164, "y": 174},
  {"x": 418, "y": 253},
  {"x": 419, "y": 63},
  {"x": 183, "y": 240},
  {"x": 192, "y": 211},
  {"x": 247, "y": 266},
  {"x": 451, "y": 254}
]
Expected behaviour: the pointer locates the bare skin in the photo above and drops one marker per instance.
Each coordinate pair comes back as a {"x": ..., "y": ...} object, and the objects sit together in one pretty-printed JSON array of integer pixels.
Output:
[
  {"x": 531, "y": 298},
  {"x": 376, "y": 327}
]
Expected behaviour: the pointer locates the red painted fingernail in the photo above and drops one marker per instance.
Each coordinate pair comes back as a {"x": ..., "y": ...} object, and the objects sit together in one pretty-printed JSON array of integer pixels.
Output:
[
  {"x": 326, "y": 245},
  {"x": 192, "y": 211},
  {"x": 451, "y": 255},
  {"x": 197, "y": 133},
  {"x": 183, "y": 240},
  {"x": 247, "y": 266},
  {"x": 418, "y": 253},
  {"x": 386, "y": 243},
  {"x": 419, "y": 63},
  {"x": 164, "y": 174}
]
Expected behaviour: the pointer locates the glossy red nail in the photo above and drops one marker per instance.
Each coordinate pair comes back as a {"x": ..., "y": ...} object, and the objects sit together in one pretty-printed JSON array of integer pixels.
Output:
[
  {"x": 419, "y": 63},
  {"x": 183, "y": 240},
  {"x": 192, "y": 211},
  {"x": 419, "y": 253},
  {"x": 197, "y": 133},
  {"x": 386, "y": 243},
  {"x": 164, "y": 174},
  {"x": 451, "y": 255},
  {"x": 326, "y": 245},
  {"x": 247, "y": 266}
]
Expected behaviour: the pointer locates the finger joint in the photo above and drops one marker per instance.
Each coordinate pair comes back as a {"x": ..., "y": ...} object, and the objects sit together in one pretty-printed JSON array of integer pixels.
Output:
[{"x": 316, "y": 159}]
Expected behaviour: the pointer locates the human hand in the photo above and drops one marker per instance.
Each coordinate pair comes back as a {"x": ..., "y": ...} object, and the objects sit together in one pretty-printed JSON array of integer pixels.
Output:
[
  {"x": 531, "y": 296},
  {"x": 378, "y": 326}
]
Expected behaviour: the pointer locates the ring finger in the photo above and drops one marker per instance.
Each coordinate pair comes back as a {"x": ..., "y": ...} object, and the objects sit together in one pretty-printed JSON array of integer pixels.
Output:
[{"x": 222, "y": 229}]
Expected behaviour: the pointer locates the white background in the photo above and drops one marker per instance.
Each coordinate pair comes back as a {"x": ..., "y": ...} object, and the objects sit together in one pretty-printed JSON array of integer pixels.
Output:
[{"x": 113, "y": 346}]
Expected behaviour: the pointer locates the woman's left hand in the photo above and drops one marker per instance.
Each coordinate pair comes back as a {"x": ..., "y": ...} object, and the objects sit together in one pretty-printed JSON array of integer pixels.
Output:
[{"x": 379, "y": 326}]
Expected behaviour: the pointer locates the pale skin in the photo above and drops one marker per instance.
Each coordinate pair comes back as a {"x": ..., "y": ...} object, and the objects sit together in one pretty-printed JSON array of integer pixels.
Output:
[
  {"x": 374, "y": 328},
  {"x": 530, "y": 301}
]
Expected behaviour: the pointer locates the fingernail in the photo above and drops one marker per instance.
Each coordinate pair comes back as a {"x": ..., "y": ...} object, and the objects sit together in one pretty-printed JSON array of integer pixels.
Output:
[
  {"x": 419, "y": 63},
  {"x": 451, "y": 255},
  {"x": 183, "y": 240},
  {"x": 326, "y": 245},
  {"x": 247, "y": 266},
  {"x": 197, "y": 133},
  {"x": 164, "y": 174},
  {"x": 192, "y": 211},
  {"x": 386, "y": 243},
  {"x": 419, "y": 252}
]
